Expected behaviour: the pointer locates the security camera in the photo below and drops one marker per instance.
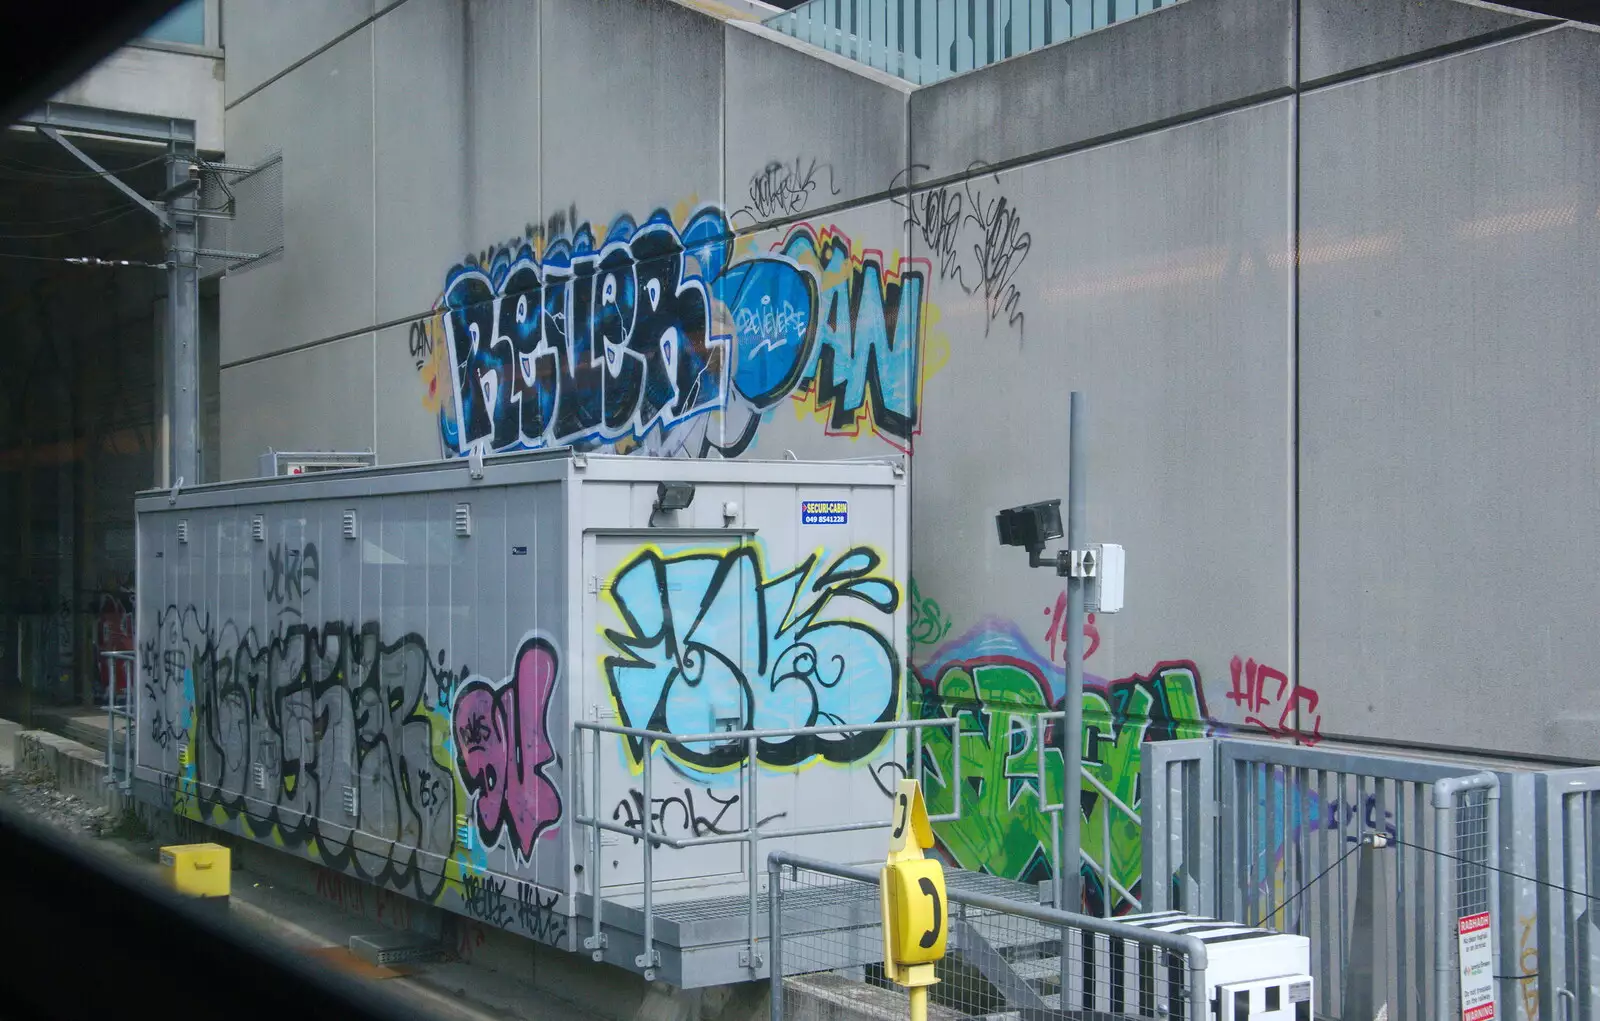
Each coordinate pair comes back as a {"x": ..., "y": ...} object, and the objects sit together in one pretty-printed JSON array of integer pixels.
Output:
[{"x": 1031, "y": 525}]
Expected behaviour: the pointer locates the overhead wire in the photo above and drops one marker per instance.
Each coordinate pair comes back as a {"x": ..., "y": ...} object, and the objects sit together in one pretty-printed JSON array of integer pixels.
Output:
[
  {"x": 85, "y": 260},
  {"x": 76, "y": 218},
  {"x": 1295, "y": 896},
  {"x": 1492, "y": 868},
  {"x": 68, "y": 233},
  {"x": 26, "y": 169}
]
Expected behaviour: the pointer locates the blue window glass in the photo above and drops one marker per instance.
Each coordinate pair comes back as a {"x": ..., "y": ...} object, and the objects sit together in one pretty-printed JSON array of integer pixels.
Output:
[{"x": 186, "y": 23}]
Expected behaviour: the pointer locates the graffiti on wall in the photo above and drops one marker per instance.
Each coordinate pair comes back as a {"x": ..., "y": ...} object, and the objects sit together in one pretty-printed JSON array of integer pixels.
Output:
[
  {"x": 975, "y": 237},
  {"x": 785, "y": 188},
  {"x": 288, "y": 731},
  {"x": 666, "y": 337},
  {"x": 929, "y": 623},
  {"x": 1264, "y": 692},
  {"x": 503, "y": 750},
  {"x": 711, "y": 635},
  {"x": 997, "y": 684},
  {"x": 330, "y": 739}
]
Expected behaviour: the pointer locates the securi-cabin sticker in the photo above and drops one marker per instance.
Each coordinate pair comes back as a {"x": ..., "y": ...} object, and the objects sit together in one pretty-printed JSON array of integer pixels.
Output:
[{"x": 824, "y": 512}]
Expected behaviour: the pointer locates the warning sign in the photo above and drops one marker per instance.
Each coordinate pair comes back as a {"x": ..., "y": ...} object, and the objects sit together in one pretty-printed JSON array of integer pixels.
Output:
[{"x": 1477, "y": 967}]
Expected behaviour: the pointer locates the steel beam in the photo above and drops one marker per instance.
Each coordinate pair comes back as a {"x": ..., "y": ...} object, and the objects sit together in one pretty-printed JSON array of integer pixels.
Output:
[
  {"x": 115, "y": 123},
  {"x": 110, "y": 178}
]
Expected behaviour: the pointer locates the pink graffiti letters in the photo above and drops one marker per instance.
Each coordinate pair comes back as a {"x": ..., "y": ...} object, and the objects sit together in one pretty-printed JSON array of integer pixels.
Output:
[
  {"x": 1266, "y": 689},
  {"x": 503, "y": 748}
]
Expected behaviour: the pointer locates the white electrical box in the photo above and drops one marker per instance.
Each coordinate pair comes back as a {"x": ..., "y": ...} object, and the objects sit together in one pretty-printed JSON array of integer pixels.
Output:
[
  {"x": 1252, "y": 974},
  {"x": 1104, "y": 593}
]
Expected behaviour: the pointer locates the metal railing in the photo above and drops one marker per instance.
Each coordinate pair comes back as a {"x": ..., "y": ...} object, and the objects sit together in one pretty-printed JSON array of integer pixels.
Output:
[
  {"x": 751, "y": 835},
  {"x": 1376, "y": 858},
  {"x": 923, "y": 41},
  {"x": 1112, "y": 887},
  {"x": 1565, "y": 935},
  {"x": 122, "y": 663},
  {"x": 1005, "y": 958}
]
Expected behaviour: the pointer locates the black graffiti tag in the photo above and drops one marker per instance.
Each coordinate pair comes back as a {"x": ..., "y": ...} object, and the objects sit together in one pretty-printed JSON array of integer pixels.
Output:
[
  {"x": 783, "y": 189},
  {"x": 290, "y": 571},
  {"x": 1001, "y": 246},
  {"x": 536, "y": 914},
  {"x": 486, "y": 899}
]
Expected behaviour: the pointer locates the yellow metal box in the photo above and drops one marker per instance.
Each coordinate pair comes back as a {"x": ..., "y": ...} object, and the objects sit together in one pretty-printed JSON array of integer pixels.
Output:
[
  {"x": 197, "y": 870},
  {"x": 917, "y": 910}
]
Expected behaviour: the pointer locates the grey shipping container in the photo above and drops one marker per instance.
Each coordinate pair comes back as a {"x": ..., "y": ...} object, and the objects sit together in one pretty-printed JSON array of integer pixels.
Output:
[{"x": 384, "y": 670}]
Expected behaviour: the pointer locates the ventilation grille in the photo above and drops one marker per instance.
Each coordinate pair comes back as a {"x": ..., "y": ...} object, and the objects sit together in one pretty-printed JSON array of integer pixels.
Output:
[
  {"x": 351, "y": 802},
  {"x": 463, "y": 519},
  {"x": 183, "y": 529},
  {"x": 350, "y": 524},
  {"x": 463, "y": 833},
  {"x": 258, "y": 528},
  {"x": 259, "y": 773}
]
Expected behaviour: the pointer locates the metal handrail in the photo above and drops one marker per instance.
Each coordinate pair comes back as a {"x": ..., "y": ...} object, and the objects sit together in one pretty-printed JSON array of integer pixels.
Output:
[
  {"x": 1103, "y": 867},
  {"x": 751, "y": 835},
  {"x": 117, "y": 657},
  {"x": 1193, "y": 949}
]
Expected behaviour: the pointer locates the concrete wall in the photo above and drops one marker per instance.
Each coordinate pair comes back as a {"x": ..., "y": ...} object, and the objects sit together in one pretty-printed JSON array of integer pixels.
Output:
[
  {"x": 163, "y": 81},
  {"x": 1357, "y": 490}
]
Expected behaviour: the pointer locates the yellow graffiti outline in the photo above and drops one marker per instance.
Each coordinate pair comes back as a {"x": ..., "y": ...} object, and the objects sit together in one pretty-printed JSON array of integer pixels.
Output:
[
  {"x": 809, "y": 564},
  {"x": 932, "y": 348}
]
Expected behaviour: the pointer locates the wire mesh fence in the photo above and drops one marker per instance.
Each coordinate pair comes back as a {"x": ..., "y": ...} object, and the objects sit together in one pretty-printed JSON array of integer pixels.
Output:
[{"x": 1006, "y": 960}]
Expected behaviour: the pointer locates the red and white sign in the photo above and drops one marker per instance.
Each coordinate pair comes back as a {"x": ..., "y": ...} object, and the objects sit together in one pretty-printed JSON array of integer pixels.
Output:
[{"x": 1477, "y": 967}]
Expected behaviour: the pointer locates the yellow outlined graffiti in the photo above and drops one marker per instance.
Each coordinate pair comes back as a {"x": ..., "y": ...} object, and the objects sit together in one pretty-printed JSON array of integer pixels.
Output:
[{"x": 706, "y": 629}]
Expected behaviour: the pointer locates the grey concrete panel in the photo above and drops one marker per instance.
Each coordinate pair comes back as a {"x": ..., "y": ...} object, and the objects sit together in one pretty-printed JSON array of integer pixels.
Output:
[
  {"x": 1150, "y": 274},
  {"x": 630, "y": 108},
  {"x": 262, "y": 39},
  {"x": 317, "y": 399},
  {"x": 839, "y": 135},
  {"x": 1449, "y": 376},
  {"x": 320, "y": 118},
  {"x": 1345, "y": 36},
  {"x": 407, "y": 410},
  {"x": 1173, "y": 62},
  {"x": 421, "y": 182},
  {"x": 501, "y": 143}
]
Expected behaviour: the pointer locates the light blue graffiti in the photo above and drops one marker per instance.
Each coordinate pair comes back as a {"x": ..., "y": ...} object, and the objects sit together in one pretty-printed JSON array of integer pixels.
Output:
[
  {"x": 710, "y": 642},
  {"x": 636, "y": 338}
]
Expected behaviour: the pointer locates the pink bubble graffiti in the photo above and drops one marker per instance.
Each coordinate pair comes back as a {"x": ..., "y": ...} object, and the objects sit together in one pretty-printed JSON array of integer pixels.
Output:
[{"x": 503, "y": 748}]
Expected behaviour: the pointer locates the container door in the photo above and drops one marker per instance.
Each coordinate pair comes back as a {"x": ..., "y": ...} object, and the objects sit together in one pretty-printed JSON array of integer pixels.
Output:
[{"x": 666, "y": 629}]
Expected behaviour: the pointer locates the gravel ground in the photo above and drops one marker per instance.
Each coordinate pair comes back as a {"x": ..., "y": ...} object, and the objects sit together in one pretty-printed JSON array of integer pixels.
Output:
[{"x": 34, "y": 796}]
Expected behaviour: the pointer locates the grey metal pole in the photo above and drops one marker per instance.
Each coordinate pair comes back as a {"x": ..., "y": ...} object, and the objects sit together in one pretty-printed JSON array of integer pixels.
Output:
[
  {"x": 1069, "y": 886},
  {"x": 183, "y": 329},
  {"x": 1443, "y": 906},
  {"x": 775, "y": 938}
]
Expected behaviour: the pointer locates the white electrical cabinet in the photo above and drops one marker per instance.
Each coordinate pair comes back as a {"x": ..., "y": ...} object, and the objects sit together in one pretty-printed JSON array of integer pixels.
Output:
[{"x": 1252, "y": 974}]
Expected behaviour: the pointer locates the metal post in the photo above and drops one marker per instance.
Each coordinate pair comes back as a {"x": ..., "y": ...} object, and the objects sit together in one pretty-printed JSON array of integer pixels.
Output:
[
  {"x": 1105, "y": 858},
  {"x": 775, "y": 938},
  {"x": 647, "y": 960},
  {"x": 1492, "y": 806},
  {"x": 752, "y": 960},
  {"x": 1069, "y": 895},
  {"x": 183, "y": 325},
  {"x": 1444, "y": 926},
  {"x": 596, "y": 943},
  {"x": 111, "y": 719}
]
